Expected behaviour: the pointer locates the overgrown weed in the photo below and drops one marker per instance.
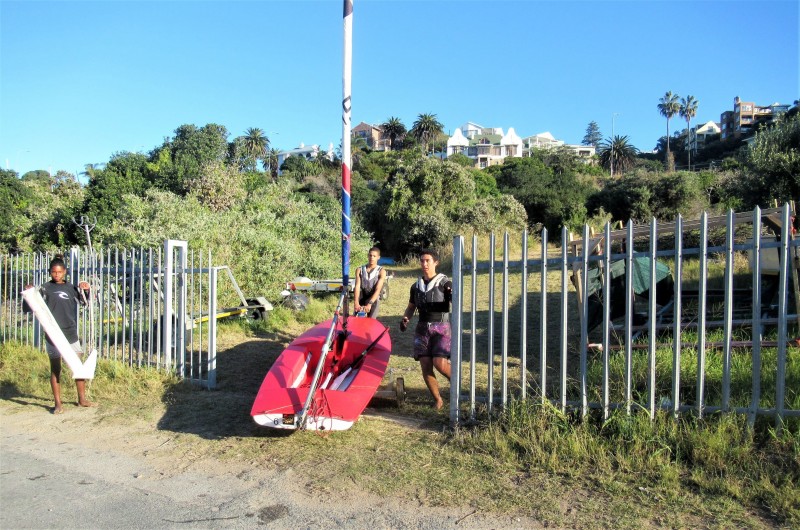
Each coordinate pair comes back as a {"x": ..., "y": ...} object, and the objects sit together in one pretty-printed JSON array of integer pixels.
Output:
[{"x": 719, "y": 455}]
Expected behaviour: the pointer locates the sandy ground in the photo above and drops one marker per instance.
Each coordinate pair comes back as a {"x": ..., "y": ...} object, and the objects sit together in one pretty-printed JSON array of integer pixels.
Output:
[{"x": 72, "y": 471}]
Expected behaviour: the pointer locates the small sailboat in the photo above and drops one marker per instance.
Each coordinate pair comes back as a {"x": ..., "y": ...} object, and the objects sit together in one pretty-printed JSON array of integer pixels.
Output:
[{"x": 325, "y": 378}]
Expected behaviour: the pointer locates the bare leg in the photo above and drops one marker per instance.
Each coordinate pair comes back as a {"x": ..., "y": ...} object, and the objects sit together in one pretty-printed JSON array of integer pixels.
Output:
[
  {"x": 80, "y": 384},
  {"x": 58, "y": 408},
  {"x": 427, "y": 363},
  {"x": 443, "y": 366},
  {"x": 55, "y": 376}
]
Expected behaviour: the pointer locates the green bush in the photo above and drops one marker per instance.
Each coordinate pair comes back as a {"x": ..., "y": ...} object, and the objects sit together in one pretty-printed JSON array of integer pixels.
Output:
[
  {"x": 266, "y": 239},
  {"x": 425, "y": 202}
]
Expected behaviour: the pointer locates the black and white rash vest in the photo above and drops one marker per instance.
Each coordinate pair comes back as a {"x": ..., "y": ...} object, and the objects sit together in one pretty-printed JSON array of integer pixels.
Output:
[{"x": 369, "y": 280}]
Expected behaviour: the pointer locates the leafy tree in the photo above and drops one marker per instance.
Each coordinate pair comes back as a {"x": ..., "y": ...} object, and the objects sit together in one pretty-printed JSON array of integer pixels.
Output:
[
  {"x": 688, "y": 111},
  {"x": 272, "y": 162},
  {"x": 550, "y": 198},
  {"x": 285, "y": 234},
  {"x": 716, "y": 150},
  {"x": 461, "y": 159},
  {"x": 358, "y": 149},
  {"x": 375, "y": 166},
  {"x": 14, "y": 199},
  {"x": 125, "y": 173},
  {"x": 559, "y": 159},
  {"x": 592, "y": 136},
  {"x": 625, "y": 199},
  {"x": 773, "y": 160},
  {"x": 485, "y": 184},
  {"x": 57, "y": 204},
  {"x": 669, "y": 106},
  {"x": 38, "y": 175},
  {"x": 394, "y": 129},
  {"x": 641, "y": 195},
  {"x": 37, "y": 212},
  {"x": 297, "y": 167},
  {"x": 419, "y": 204},
  {"x": 218, "y": 186},
  {"x": 426, "y": 129},
  {"x": 618, "y": 152},
  {"x": 181, "y": 158}
]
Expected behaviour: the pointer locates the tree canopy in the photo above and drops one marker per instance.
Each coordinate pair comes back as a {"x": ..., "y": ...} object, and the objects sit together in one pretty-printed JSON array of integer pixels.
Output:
[
  {"x": 669, "y": 106},
  {"x": 553, "y": 199},
  {"x": 617, "y": 153},
  {"x": 592, "y": 136},
  {"x": 425, "y": 129}
]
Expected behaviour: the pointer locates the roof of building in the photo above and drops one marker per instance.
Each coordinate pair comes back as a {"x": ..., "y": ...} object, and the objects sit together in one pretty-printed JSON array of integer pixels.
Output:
[{"x": 486, "y": 139}]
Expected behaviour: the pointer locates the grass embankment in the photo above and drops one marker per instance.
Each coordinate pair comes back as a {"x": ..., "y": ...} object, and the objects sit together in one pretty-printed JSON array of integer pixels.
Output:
[{"x": 626, "y": 472}]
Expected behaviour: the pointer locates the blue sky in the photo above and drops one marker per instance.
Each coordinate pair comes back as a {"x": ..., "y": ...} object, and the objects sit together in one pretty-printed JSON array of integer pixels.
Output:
[{"x": 80, "y": 81}]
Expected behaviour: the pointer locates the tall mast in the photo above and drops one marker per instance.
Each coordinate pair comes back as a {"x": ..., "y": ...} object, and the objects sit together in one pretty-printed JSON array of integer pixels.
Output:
[{"x": 346, "y": 156}]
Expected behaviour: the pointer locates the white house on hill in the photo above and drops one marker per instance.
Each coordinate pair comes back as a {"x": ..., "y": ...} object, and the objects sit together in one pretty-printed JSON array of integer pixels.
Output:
[
  {"x": 486, "y": 146},
  {"x": 308, "y": 152}
]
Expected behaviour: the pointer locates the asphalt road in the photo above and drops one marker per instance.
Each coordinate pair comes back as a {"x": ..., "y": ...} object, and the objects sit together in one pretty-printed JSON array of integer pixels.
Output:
[{"x": 71, "y": 471}]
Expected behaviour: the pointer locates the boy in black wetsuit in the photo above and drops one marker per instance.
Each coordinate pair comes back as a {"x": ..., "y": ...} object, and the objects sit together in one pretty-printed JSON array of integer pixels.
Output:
[
  {"x": 62, "y": 299},
  {"x": 431, "y": 295}
]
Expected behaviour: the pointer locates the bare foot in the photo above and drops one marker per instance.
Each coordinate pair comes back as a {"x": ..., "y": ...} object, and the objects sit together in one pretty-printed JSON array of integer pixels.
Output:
[
  {"x": 87, "y": 404},
  {"x": 58, "y": 409},
  {"x": 439, "y": 404}
]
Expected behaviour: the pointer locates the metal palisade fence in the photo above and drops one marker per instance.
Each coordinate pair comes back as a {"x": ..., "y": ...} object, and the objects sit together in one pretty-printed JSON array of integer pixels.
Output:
[
  {"x": 688, "y": 316},
  {"x": 151, "y": 306}
]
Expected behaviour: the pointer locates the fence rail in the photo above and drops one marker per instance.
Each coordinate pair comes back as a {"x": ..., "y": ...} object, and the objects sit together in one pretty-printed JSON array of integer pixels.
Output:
[
  {"x": 152, "y": 305},
  {"x": 632, "y": 333}
]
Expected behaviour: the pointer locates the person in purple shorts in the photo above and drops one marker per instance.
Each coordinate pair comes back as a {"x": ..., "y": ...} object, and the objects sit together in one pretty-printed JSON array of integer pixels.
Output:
[{"x": 431, "y": 295}]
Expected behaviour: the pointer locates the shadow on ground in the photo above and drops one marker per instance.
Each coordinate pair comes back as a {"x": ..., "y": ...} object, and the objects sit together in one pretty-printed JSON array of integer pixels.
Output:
[
  {"x": 11, "y": 392},
  {"x": 225, "y": 411}
]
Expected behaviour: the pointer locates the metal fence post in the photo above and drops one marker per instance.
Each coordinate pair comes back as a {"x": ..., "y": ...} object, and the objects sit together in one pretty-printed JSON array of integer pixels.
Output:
[
  {"x": 212, "y": 327},
  {"x": 457, "y": 331}
]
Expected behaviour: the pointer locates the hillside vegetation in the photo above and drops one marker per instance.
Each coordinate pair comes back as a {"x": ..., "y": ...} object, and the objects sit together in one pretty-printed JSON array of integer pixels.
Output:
[{"x": 201, "y": 187}]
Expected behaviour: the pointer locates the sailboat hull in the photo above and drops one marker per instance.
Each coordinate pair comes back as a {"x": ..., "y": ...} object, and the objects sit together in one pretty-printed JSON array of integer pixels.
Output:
[{"x": 348, "y": 381}]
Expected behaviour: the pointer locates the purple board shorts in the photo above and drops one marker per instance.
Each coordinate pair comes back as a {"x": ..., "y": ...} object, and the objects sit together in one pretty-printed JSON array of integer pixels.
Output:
[{"x": 432, "y": 339}]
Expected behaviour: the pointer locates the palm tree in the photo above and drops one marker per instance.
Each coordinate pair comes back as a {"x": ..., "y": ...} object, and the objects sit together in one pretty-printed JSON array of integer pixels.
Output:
[
  {"x": 255, "y": 144},
  {"x": 620, "y": 151},
  {"x": 426, "y": 129},
  {"x": 394, "y": 129},
  {"x": 271, "y": 162},
  {"x": 689, "y": 111},
  {"x": 358, "y": 148},
  {"x": 90, "y": 170},
  {"x": 669, "y": 106}
]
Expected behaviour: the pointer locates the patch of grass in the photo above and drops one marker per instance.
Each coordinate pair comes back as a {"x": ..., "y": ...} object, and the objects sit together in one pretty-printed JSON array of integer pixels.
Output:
[
  {"x": 25, "y": 373},
  {"x": 681, "y": 461}
]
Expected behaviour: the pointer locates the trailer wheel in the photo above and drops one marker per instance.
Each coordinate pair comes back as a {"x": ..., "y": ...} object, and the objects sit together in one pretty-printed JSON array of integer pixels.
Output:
[
  {"x": 400, "y": 390},
  {"x": 257, "y": 313}
]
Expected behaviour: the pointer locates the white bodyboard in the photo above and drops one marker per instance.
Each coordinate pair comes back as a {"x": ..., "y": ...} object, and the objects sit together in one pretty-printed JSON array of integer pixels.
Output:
[{"x": 79, "y": 370}]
